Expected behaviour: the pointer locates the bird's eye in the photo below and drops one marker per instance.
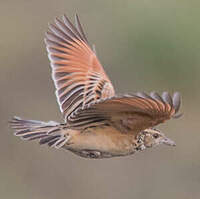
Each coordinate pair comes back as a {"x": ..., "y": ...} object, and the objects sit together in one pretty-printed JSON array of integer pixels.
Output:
[{"x": 156, "y": 135}]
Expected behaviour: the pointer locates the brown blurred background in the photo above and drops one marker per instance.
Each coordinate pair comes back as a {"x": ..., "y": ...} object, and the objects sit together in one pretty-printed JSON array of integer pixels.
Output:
[{"x": 144, "y": 45}]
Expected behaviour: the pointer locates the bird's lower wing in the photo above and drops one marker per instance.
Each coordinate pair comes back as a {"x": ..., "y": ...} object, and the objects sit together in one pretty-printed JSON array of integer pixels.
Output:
[{"x": 128, "y": 113}]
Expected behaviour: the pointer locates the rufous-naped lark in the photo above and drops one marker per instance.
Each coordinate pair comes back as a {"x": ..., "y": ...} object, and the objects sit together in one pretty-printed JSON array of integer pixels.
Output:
[{"x": 97, "y": 122}]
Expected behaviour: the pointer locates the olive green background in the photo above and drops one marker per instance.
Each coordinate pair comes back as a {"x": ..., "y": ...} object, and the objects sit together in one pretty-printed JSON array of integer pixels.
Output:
[{"x": 144, "y": 45}]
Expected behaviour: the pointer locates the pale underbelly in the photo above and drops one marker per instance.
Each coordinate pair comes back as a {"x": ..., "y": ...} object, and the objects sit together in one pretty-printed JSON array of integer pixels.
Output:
[{"x": 101, "y": 143}]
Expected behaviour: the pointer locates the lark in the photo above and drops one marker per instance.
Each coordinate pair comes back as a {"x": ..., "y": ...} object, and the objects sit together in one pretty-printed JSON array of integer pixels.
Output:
[{"x": 97, "y": 123}]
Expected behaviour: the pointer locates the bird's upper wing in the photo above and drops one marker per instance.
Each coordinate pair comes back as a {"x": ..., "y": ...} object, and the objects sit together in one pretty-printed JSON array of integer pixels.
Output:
[
  {"x": 77, "y": 73},
  {"x": 128, "y": 113}
]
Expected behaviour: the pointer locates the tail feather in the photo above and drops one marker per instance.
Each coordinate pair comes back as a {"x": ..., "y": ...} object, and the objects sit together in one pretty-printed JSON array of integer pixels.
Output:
[{"x": 46, "y": 132}]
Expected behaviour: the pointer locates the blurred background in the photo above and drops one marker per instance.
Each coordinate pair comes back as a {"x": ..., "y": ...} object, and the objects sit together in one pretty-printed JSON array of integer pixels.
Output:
[{"x": 144, "y": 45}]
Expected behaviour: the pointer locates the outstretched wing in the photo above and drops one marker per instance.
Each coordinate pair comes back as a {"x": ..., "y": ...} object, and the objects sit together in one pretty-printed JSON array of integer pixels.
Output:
[
  {"x": 77, "y": 73},
  {"x": 129, "y": 113}
]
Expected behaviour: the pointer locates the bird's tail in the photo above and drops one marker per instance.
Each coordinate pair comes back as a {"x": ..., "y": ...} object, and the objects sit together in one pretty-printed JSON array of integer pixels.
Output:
[{"x": 46, "y": 132}]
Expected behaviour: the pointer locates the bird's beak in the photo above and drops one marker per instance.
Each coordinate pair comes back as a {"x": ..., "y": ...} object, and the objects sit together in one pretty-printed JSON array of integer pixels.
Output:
[{"x": 169, "y": 142}]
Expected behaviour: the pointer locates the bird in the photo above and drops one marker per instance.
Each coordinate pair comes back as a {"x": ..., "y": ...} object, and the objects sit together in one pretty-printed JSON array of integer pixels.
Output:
[{"x": 97, "y": 122}]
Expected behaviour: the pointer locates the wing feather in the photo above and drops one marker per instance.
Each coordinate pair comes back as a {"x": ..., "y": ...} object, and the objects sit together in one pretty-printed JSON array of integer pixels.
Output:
[
  {"x": 76, "y": 71},
  {"x": 132, "y": 113}
]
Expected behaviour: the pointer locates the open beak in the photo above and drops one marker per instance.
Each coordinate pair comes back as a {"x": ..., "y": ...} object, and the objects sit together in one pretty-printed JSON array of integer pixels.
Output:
[{"x": 169, "y": 142}]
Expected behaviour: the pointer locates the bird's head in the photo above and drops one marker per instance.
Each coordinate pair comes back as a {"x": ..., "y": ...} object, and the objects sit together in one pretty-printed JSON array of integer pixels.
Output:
[{"x": 153, "y": 137}]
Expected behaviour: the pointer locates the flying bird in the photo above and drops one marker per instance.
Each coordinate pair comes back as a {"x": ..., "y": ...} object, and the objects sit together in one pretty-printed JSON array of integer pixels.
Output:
[{"x": 98, "y": 123}]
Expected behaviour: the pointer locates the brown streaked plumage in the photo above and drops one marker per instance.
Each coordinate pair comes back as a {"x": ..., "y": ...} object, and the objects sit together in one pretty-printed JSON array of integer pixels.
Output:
[{"x": 98, "y": 123}]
